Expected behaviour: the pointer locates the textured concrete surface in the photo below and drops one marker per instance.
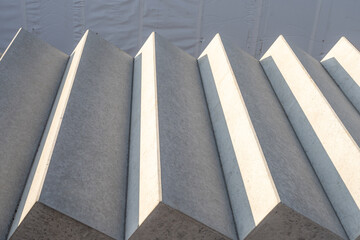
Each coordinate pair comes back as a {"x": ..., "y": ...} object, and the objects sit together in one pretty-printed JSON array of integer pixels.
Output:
[
  {"x": 338, "y": 101},
  {"x": 325, "y": 122},
  {"x": 41, "y": 162},
  {"x": 284, "y": 223},
  {"x": 265, "y": 167},
  {"x": 182, "y": 169},
  {"x": 144, "y": 189},
  {"x": 44, "y": 223},
  {"x": 70, "y": 139},
  {"x": 87, "y": 168},
  {"x": 167, "y": 223},
  {"x": 30, "y": 74},
  {"x": 343, "y": 63}
]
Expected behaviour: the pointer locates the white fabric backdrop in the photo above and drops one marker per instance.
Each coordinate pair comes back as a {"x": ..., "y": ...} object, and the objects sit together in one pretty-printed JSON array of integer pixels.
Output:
[{"x": 314, "y": 25}]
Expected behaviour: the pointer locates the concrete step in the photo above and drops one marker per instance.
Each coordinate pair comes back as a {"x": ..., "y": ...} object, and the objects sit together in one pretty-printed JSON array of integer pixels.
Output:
[
  {"x": 30, "y": 74},
  {"x": 176, "y": 188},
  {"x": 285, "y": 152},
  {"x": 326, "y": 123},
  {"x": 343, "y": 64},
  {"x": 77, "y": 187},
  {"x": 272, "y": 186}
]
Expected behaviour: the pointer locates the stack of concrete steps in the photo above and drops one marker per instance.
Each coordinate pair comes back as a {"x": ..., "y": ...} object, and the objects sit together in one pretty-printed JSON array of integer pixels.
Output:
[
  {"x": 30, "y": 74},
  {"x": 343, "y": 64},
  {"x": 100, "y": 145},
  {"x": 176, "y": 188},
  {"x": 77, "y": 185},
  {"x": 326, "y": 123},
  {"x": 272, "y": 186}
]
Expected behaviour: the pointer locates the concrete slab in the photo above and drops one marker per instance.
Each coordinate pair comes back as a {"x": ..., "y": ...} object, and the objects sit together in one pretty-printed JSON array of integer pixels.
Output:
[
  {"x": 30, "y": 75},
  {"x": 273, "y": 189},
  {"x": 165, "y": 222},
  {"x": 280, "y": 222},
  {"x": 44, "y": 222},
  {"x": 176, "y": 188},
  {"x": 78, "y": 181},
  {"x": 343, "y": 64},
  {"x": 325, "y": 122}
]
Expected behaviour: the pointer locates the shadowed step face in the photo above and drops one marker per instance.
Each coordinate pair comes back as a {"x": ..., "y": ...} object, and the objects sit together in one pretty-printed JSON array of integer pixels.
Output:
[
  {"x": 163, "y": 146},
  {"x": 30, "y": 74},
  {"x": 274, "y": 191},
  {"x": 77, "y": 188},
  {"x": 326, "y": 123},
  {"x": 175, "y": 180},
  {"x": 343, "y": 64}
]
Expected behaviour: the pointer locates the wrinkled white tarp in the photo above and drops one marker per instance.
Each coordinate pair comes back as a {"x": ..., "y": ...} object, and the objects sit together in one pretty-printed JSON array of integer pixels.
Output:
[{"x": 314, "y": 25}]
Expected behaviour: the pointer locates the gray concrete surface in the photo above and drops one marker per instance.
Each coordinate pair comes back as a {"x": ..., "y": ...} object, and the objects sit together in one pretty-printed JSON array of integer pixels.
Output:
[
  {"x": 30, "y": 74},
  {"x": 343, "y": 63},
  {"x": 338, "y": 101},
  {"x": 325, "y": 122},
  {"x": 298, "y": 208},
  {"x": 133, "y": 193},
  {"x": 181, "y": 169},
  {"x": 167, "y": 223},
  {"x": 44, "y": 222},
  {"x": 84, "y": 187},
  {"x": 279, "y": 225}
]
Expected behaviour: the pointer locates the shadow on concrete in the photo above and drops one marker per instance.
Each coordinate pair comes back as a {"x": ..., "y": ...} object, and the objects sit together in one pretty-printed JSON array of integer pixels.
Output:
[
  {"x": 341, "y": 199},
  {"x": 347, "y": 84},
  {"x": 132, "y": 203},
  {"x": 239, "y": 201}
]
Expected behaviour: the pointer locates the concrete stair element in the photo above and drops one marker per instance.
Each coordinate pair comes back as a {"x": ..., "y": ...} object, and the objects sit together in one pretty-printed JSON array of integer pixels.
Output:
[
  {"x": 77, "y": 187},
  {"x": 274, "y": 191},
  {"x": 30, "y": 74},
  {"x": 326, "y": 123},
  {"x": 164, "y": 146},
  {"x": 343, "y": 64},
  {"x": 176, "y": 188}
]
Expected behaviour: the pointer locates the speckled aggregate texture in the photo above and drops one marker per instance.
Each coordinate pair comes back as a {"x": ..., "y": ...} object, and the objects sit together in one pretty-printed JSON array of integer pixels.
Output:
[
  {"x": 324, "y": 125},
  {"x": 191, "y": 179},
  {"x": 45, "y": 223},
  {"x": 293, "y": 177},
  {"x": 183, "y": 182},
  {"x": 349, "y": 117},
  {"x": 343, "y": 108},
  {"x": 295, "y": 180},
  {"x": 283, "y": 223},
  {"x": 167, "y": 223},
  {"x": 86, "y": 178},
  {"x": 191, "y": 174},
  {"x": 30, "y": 74}
]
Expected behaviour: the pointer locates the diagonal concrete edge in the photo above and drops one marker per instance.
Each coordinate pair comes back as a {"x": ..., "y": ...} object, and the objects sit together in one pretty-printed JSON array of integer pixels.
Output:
[
  {"x": 30, "y": 74},
  {"x": 331, "y": 149}
]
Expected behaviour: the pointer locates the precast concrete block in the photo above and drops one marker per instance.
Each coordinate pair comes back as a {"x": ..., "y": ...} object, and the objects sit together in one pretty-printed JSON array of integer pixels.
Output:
[
  {"x": 343, "y": 64},
  {"x": 176, "y": 188},
  {"x": 77, "y": 186},
  {"x": 30, "y": 75},
  {"x": 326, "y": 123},
  {"x": 274, "y": 192}
]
